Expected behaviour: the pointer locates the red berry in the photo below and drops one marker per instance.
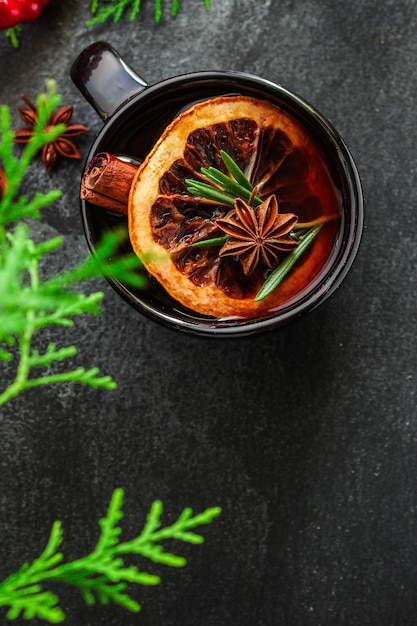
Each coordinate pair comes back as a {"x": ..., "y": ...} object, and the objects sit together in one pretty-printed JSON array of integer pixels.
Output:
[
  {"x": 43, "y": 2},
  {"x": 31, "y": 10},
  {"x": 10, "y": 13}
]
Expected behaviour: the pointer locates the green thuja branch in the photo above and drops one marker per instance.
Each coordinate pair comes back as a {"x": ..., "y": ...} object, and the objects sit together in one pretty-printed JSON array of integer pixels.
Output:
[
  {"x": 101, "y": 575},
  {"x": 114, "y": 9},
  {"x": 103, "y": 10},
  {"x": 30, "y": 303}
]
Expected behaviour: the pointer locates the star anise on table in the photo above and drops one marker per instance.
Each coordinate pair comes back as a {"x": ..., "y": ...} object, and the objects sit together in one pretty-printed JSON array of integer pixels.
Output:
[
  {"x": 63, "y": 145},
  {"x": 257, "y": 235}
]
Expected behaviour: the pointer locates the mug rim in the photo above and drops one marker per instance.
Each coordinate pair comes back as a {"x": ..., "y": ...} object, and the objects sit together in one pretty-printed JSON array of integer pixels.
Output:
[{"x": 333, "y": 276}]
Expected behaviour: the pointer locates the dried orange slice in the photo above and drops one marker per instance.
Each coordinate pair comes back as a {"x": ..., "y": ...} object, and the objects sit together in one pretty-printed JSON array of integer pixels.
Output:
[{"x": 272, "y": 148}]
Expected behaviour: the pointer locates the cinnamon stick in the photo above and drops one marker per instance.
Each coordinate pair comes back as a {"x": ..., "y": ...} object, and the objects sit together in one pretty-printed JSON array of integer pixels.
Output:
[{"x": 106, "y": 182}]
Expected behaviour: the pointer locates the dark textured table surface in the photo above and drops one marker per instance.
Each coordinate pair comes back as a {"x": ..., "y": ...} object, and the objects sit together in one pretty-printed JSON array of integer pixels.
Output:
[{"x": 306, "y": 437}]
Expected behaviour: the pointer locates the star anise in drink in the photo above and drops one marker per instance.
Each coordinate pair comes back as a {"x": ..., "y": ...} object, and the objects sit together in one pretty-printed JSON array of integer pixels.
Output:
[
  {"x": 257, "y": 235},
  {"x": 63, "y": 144}
]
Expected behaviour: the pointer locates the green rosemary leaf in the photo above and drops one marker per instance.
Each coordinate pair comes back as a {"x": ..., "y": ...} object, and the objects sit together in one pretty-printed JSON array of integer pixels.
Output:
[
  {"x": 224, "y": 188},
  {"x": 235, "y": 171},
  {"x": 276, "y": 277},
  {"x": 215, "y": 241},
  {"x": 228, "y": 185},
  {"x": 208, "y": 192}
]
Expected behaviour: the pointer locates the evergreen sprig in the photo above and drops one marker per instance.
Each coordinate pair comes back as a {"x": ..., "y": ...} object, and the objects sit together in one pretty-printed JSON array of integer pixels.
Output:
[
  {"x": 101, "y": 575},
  {"x": 104, "y": 10},
  {"x": 222, "y": 188},
  {"x": 29, "y": 302}
]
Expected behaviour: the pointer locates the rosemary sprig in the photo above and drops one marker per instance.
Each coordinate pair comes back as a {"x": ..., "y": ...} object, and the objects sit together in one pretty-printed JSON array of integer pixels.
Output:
[
  {"x": 235, "y": 171},
  {"x": 209, "y": 192},
  {"x": 206, "y": 243},
  {"x": 101, "y": 575},
  {"x": 224, "y": 188},
  {"x": 280, "y": 272}
]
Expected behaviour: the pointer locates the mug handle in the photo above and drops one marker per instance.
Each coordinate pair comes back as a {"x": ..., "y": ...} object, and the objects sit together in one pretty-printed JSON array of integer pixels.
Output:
[{"x": 104, "y": 78}]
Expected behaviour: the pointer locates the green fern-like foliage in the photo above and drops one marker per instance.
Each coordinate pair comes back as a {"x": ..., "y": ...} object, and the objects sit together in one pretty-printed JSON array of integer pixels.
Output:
[
  {"x": 104, "y": 10},
  {"x": 102, "y": 576},
  {"x": 28, "y": 303}
]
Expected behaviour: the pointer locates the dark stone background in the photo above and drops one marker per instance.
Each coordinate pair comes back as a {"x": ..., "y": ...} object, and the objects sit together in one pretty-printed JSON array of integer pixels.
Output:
[{"x": 307, "y": 437}]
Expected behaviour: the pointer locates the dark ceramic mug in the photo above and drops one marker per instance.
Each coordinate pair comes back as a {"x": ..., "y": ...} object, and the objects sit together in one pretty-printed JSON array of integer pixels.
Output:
[{"x": 135, "y": 114}]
